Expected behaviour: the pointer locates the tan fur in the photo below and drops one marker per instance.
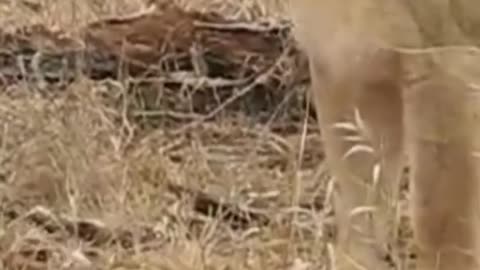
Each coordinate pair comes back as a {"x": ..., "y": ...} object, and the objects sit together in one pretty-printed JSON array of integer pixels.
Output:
[{"x": 366, "y": 64}]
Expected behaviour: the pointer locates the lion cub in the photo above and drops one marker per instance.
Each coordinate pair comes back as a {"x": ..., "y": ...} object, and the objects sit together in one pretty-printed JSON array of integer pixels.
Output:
[{"x": 397, "y": 71}]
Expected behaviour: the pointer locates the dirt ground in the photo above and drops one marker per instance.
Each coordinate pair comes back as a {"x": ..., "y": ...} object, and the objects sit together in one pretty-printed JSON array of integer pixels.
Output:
[{"x": 83, "y": 186}]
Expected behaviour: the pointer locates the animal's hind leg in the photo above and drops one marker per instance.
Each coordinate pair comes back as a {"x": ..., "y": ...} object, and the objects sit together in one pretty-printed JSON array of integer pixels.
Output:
[
  {"x": 439, "y": 137},
  {"x": 377, "y": 97}
]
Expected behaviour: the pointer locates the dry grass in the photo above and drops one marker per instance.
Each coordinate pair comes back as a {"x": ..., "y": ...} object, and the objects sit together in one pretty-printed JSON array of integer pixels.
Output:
[{"x": 80, "y": 191}]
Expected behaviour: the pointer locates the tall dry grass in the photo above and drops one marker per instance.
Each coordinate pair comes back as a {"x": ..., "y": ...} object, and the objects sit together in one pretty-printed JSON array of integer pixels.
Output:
[{"x": 81, "y": 189}]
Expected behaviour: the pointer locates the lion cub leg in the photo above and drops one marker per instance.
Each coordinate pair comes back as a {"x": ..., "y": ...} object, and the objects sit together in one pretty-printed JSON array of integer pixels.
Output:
[
  {"x": 367, "y": 170},
  {"x": 440, "y": 126}
]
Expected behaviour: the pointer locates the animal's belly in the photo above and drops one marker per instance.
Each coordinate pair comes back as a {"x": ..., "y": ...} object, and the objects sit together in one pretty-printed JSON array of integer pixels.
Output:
[{"x": 385, "y": 22}]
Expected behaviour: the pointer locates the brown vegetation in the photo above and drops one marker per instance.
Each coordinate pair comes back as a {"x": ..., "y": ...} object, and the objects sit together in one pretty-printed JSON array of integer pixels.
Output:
[{"x": 105, "y": 165}]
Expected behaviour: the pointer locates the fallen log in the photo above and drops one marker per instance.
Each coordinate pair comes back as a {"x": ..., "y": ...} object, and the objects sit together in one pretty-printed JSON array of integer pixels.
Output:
[{"x": 225, "y": 64}]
